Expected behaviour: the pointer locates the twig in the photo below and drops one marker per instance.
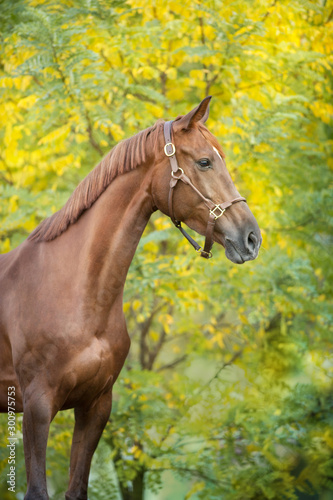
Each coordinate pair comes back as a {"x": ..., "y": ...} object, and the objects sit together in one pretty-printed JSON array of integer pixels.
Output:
[
  {"x": 171, "y": 365},
  {"x": 4, "y": 178},
  {"x": 191, "y": 471},
  {"x": 228, "y": 363},
  {"x": 94, "y": 144}
]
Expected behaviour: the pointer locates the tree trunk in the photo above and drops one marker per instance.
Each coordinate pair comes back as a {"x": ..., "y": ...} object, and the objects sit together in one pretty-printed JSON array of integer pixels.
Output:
[{"x": 135, "y": 492}]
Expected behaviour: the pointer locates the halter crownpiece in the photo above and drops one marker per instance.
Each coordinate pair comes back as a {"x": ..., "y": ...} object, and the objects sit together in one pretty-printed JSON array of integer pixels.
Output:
[{"x": 215, "y": 211}]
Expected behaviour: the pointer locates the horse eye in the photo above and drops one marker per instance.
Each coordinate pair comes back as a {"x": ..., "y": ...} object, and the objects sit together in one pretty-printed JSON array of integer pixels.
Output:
[{"x": 204, "y": 163}]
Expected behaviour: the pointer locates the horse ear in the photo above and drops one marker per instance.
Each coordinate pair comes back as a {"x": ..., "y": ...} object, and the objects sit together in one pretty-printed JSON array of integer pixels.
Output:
[{"x": 198, "y": 114}]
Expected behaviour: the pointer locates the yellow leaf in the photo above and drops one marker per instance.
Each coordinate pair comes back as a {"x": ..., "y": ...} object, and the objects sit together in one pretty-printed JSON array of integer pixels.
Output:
[
  {"x": 117, "y": 131},
  {"x": 171, "y": 73},
  {"x": 244, "y": 319},
  {"x": 154, "y": 335},
  {"x": 195, "y": 489},
  {"x": 175, "y": 93},
  {"x": 55, "y": 135},
  {"x": 136, "y": 305},
  {"x": 126, "y": 306},
  {"x": 6, "y": 246},
  {"x": 13, "y": 203},
  {"x": 80, "y": 138},
  {"x": 27, "y": 102}
]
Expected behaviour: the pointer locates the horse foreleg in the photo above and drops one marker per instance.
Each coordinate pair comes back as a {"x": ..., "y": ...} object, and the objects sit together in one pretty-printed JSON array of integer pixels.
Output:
[
  {"x": 88, "y": 429},
  {"x": 38, "y": 414}
]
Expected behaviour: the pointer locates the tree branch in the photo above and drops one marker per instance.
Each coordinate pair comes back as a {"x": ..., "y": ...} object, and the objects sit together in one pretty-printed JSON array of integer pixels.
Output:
[
  {"x": 228, "y": 363},
  {"x": 154, "y": 352},
  {"x": 174, "y": 363},
  {"x": 94, "y": 144},
  {"x": 144, "y": 349},
  {"x": 194, "y": 472},
  {"x": 106, "y": 59},
  {"x": 4, "y": 178},
  {"x": 330, "y": 17},
  {"x": 267, "y": 13}
]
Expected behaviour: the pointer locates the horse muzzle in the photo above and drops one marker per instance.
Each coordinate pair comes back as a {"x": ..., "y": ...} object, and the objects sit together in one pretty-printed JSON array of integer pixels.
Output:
[{"x": 243, "y": 248}]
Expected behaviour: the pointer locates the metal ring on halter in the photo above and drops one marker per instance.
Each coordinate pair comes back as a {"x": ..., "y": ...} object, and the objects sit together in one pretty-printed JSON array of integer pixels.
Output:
[{"x": 177, "y": 176}]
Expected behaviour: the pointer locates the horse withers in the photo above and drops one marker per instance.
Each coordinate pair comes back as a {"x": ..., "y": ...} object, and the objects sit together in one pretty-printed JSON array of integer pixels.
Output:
[{"x": 63, "y": 334}]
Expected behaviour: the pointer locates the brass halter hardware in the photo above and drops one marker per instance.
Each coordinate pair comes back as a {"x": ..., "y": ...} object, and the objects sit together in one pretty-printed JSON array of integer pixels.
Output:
[
  {"x": 173, "y": 149},
  {"x": 215, "y": 211},
  {"x": 177, "y": 176},
  {"x": 217, "y": 215}
]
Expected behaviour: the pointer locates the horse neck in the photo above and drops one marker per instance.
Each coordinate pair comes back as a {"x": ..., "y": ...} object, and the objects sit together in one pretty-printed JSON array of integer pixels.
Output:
[{"x": 113, "y": 228}]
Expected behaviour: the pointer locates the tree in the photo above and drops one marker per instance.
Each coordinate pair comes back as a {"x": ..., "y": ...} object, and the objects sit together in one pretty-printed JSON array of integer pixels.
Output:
[{"x": 229, "y": 377}]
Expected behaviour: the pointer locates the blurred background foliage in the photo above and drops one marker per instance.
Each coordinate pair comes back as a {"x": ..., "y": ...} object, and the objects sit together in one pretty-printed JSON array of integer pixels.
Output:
[{"x": 227, "y": 391}]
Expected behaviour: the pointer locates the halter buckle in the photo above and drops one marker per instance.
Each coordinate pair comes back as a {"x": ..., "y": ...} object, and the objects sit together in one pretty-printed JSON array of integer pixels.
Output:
[
  {"x": 203, "y": 253},
  {"x": 217, "y": 215},
  {"x": 173, "y": 149}
]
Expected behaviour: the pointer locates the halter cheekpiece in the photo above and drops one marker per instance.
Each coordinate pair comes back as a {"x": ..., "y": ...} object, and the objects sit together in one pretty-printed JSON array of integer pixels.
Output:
[{"x": 215, "y": 211}]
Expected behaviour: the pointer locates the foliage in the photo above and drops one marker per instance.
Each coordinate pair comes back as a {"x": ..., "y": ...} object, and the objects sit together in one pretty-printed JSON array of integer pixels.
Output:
[{"x": 228, "y": 382}]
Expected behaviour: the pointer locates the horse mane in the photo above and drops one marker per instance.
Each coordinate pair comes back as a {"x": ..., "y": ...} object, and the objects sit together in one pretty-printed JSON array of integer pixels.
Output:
[{"x": 124, "y": 157}]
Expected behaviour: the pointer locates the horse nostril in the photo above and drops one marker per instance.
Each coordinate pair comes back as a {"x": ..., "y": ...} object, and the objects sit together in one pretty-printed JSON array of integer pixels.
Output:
[{"x": 251, "y": 242}]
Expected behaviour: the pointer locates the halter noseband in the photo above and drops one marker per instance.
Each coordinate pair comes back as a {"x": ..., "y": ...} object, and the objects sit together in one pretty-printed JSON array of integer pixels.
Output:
[{"x": 215, "y": 211}]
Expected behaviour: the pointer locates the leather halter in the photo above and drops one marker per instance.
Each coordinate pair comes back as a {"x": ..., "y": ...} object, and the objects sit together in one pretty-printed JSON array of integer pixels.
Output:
[{"x": 215, "y": 211}]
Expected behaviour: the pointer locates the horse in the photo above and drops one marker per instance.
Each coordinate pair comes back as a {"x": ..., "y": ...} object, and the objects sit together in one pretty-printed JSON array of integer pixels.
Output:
[{"x": 63, "y": 333}]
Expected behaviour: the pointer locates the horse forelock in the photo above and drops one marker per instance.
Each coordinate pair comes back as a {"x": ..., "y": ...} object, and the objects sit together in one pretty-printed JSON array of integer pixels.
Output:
[
  {"x": 210, "y": 138},
  {"x": 124, "y": 157}
]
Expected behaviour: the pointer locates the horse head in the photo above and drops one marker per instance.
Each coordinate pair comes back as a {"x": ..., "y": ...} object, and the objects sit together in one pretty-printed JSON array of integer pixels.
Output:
[{"x": 206, "y": 200}]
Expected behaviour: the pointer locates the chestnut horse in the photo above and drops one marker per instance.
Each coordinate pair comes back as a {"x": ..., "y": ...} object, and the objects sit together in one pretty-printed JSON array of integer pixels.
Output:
[{"x": 62, "y": 328}]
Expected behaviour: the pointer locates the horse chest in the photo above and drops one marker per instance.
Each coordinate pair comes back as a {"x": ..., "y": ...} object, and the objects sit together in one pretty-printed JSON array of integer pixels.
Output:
[{"x": 93, "y": 370}]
